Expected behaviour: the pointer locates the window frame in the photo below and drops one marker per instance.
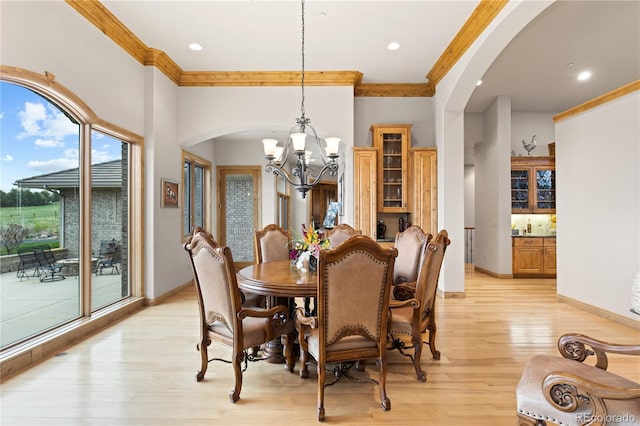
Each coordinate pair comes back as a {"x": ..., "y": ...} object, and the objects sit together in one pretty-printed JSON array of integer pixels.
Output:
[
  {"x": 17, "y": 357},
  {"x": 196, "y": 161}
]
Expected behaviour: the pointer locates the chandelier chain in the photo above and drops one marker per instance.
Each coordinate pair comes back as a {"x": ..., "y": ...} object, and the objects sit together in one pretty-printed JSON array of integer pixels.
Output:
[{"x": 302, "y": 112}]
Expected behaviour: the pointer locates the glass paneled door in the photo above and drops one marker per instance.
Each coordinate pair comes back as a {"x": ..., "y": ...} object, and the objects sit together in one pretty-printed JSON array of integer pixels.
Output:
[{"x": 238, "y": 217}]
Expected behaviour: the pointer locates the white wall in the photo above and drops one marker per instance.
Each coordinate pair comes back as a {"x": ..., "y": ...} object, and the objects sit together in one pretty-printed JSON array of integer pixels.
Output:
[
  {"x": 526, "y": 124},
  {"x": 416, "y": 111},
  {"x": 492, "y": 193},
  {"x": 598, "y": 204},
  {"x": 166, "y": 261},
  {"x": 52, "y": 36},
  {"x": 210, "y": 113}
]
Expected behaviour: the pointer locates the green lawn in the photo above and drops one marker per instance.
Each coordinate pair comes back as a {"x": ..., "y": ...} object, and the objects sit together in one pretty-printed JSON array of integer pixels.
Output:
[{"x": 37, "y": 220}]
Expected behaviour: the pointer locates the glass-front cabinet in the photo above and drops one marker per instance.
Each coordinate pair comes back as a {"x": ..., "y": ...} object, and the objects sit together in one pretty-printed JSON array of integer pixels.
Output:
[
  {"x": 533, "y": 185},
  {"x": 392, "y": 141}
]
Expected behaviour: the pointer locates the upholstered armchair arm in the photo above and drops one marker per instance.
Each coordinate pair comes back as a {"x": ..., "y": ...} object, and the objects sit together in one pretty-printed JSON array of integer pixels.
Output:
[
  {"x": 279, "y": 313},
  {"x": 568, "y": 392},
  {"x": 578, "y": 347}
]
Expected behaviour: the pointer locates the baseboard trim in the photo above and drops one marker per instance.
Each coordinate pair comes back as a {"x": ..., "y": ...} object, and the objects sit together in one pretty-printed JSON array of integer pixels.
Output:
[
  {"x": 600, "y": 312},
  {"x": 451, "y": 294},
  {"x": 164, "y": 297},
  {"x": 491, "y": 273}
]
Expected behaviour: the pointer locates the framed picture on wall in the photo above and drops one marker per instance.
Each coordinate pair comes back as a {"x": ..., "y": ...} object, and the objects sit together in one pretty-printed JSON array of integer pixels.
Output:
[{"x": 170, "y": 195}]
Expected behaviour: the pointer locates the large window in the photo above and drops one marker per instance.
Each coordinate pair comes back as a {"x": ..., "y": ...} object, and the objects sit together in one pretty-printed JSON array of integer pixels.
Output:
[
  {"x": 70, "y": 214},
  {"x": 196, "y": 181}
]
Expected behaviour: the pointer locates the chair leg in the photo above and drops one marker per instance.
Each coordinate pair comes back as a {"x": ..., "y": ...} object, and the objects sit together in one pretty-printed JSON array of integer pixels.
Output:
[
  {"x": 287, "y": 343},
  {"x": 238, "y": 356},
  {"x": 204, "y": 358},
  {"x": 321, "y": 380},
  {"x": 385, "y": 402},
  {"x": 416, "y": 341},
  {"x": 432, "y": 340}
]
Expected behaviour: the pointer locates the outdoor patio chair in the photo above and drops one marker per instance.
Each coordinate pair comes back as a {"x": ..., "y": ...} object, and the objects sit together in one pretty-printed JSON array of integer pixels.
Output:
[
  {"x": 109, "y": 256},
  {"x": 50, "y": 270},
  {"x": 28, "y": 263}
]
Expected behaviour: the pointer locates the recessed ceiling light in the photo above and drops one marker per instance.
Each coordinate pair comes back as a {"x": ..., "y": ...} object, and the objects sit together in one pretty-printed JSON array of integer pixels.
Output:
[
  {"x": 195, "y": 46},
  {"x": 479, "y": 83},
  {"x": 584, "y": 75},
  {"x": 393, "y": 45},
  {"x": 322, "y": 14}
]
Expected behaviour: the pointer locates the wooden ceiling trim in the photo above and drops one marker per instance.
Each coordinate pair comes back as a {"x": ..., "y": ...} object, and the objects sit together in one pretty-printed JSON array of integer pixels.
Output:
[
  {"x": 269, "y": 78},
  {"x": 164, "y": 63},
  {"x": 481, "y": 17},
  {"x": 400, "y": 90},
  {"x": 111, "y": 26},
  {"x": 627, "y": 89}
]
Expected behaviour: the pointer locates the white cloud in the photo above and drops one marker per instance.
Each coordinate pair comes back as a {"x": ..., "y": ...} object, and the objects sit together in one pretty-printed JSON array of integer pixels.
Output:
[
  {"x": 100, "y": 156},
  {"x": 7, "y": 158},
  {"x": 48, "y": 143},
  {"x": 45, "y": 122},
  {"x": 53, "y": 165}
]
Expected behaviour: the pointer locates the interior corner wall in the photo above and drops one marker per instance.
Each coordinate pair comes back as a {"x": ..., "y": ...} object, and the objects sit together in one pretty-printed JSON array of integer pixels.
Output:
[
  {"x": 598, "y": 204},
  {"x": 492, "y": 212},
  {"x": 163, "y": 234}
]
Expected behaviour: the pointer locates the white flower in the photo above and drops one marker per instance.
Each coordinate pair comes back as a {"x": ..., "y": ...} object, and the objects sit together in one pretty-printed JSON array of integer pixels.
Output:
[{"x": 304, "y": 257}]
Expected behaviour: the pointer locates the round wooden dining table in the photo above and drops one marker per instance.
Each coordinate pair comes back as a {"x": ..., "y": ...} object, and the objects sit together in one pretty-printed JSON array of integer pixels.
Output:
[
  {"x": 281, "y": 283},
  {"x": 277, "y": 279}
]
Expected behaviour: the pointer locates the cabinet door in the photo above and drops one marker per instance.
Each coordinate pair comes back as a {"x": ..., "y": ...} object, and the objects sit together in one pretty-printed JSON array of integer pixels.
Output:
[
  {"x": 425, "y": 189},
  {"x": 520, "y": 190},
  {"x": 528, "y": 260},
  {"x": 364, "y": 186},
  {"x": 550, "y": 256},
  {"x": 544, "y": 180},
  {"x": 393, "y": 143}
]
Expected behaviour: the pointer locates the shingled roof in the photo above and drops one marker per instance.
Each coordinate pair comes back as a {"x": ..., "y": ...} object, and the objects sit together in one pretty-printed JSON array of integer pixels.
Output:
[{"x": 103, "y": 175}]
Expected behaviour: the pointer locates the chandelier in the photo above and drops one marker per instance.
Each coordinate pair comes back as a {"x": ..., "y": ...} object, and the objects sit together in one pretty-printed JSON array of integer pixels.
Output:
[{"x": 301, "y": 133}]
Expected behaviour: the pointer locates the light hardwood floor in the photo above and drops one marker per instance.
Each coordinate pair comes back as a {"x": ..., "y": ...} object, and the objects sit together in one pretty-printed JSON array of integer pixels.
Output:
[{"x": 141, "y": 370}]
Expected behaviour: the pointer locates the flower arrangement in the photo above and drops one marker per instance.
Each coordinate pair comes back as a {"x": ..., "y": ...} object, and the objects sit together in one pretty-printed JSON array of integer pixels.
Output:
[{"x": 305, "y": 248}]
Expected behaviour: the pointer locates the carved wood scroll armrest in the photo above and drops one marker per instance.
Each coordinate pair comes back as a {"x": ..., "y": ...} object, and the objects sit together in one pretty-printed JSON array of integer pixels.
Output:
[
  {"x": 414, "y": 303},
  {"x": 303, "y": 320},
  {"x": 279, "y": 313},
  {"x": 404, "y": 290},
  {"x": 568, "y": 392},
  {"x": 578, "y": 347}
]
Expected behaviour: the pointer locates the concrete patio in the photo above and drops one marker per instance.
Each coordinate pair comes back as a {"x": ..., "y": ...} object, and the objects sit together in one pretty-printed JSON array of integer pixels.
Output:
[{"x": 29, "y": 306}]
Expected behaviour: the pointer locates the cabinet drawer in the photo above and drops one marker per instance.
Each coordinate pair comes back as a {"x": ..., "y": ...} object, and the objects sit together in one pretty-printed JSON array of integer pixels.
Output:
[
  {"x": 527, "y": 242},
  {"x": 550, "y": 242}
]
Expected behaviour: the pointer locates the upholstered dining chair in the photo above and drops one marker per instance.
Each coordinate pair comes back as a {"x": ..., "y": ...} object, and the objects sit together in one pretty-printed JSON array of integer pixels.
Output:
[
  {"x": 410, "y": 244},
  {"x": 414, "y": 316},
  {"x": 354, "y": 282},
  {"x": 567, "y": 391},
  {"x": 340, "y": 233},
  {"x": 222, "y": 316},
  {"x": 271, "y": 244}
]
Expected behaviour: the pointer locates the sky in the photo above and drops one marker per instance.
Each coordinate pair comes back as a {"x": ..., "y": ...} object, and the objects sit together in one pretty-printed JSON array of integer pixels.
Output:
[{"x": 37, "y": 138}]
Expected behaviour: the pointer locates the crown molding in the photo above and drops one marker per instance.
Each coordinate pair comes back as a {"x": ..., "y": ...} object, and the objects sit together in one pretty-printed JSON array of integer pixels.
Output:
[
  {"x": 480, "y": 19},
  {"x": 400, "y": 90},
  {"x": 96, "y": 13},
  {"x": 269, "y": 78}
]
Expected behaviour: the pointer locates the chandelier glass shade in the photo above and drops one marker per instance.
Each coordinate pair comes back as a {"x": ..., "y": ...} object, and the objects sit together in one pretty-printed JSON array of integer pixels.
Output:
[{"x": 300, "y": 136}]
